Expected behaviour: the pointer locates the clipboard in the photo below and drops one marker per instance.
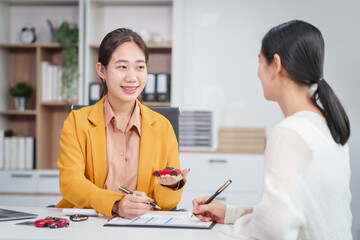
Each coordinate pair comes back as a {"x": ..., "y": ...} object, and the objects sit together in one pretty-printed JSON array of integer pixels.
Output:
[{"x": 161, "y": 219}]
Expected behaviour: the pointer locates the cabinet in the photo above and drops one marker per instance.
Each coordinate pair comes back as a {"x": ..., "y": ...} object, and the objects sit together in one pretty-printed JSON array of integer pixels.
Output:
[
  {"x": 209, "y": 171},
  {"x": 22, "y": 62},
  {"x": 29, "y": 188}
]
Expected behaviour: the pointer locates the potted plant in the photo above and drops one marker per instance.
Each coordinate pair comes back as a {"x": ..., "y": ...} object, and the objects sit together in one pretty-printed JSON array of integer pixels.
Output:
[
  {"x": 68, "y": 37},
  {"x": 21, "y": 91}
]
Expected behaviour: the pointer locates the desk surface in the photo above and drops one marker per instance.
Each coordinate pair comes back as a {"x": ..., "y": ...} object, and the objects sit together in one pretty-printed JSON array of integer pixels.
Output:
[{"x": 93, "y": 229}]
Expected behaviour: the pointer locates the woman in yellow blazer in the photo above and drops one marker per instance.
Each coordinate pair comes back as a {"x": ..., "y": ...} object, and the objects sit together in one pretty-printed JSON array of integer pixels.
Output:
[{"x": 83, "y": 160}]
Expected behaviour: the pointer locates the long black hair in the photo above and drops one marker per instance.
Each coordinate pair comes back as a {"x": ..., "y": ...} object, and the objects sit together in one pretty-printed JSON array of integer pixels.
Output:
[
  {"x": 300, "y": 46},
  {"x": 114, "y": 39}
]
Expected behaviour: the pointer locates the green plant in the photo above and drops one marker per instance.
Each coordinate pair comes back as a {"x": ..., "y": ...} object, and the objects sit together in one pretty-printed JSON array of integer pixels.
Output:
[
  {"x": 68, "y": 37},
  {"x": 21, "y": 89}
]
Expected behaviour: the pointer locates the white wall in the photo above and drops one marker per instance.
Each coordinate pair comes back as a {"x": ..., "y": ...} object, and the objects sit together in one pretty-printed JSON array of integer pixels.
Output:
[
  {"x": 38, "y": 14},
  {"x": 216, "y": 44}
]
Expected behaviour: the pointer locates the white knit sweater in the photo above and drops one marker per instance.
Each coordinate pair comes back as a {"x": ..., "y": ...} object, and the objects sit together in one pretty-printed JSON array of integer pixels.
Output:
[{"x": 306, "y": 186}]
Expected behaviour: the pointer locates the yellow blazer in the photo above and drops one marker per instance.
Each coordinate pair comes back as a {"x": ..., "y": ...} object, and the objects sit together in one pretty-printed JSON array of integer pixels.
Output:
[{"x": 82, "y": 160}]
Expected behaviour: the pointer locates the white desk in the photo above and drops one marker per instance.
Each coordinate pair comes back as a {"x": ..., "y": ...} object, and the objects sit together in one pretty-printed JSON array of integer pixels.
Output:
[{"x": 93, "y": 229}]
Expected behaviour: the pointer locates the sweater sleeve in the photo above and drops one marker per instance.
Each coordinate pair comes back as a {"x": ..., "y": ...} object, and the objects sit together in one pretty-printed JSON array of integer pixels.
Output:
[
  {"x": 234, "y": 212},
  {"x": 277, "y": 216}
]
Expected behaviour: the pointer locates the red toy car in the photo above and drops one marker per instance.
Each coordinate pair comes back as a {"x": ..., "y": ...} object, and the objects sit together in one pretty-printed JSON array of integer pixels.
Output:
[
  {"x": 169, "y": 170},
  {"x": 52, "y": 222}
]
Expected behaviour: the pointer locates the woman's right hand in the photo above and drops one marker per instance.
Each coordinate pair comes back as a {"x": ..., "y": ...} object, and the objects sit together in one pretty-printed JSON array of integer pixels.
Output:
[
  {"x": 132, "y": 206},
  {"x": 214, "y": 211}
]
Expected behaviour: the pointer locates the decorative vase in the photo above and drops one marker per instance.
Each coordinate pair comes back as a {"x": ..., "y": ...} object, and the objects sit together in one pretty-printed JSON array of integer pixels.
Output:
[{"x": 20, "y": 103}]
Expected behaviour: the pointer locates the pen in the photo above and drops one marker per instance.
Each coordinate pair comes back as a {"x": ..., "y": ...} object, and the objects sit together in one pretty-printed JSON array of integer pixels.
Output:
[
  {"x": 216, "y": 193},
  {"x": 130, "y": 192}
]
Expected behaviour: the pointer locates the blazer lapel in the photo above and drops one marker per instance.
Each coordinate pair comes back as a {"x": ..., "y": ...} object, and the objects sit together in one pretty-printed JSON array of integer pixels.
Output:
[
  {"x": 98, "y": 143},
  {"x": 147, "y": 149}
]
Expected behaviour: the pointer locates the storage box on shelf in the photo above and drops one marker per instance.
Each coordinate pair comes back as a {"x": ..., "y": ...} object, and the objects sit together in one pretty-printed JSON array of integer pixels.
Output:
[{"x": 209, "y": 171}]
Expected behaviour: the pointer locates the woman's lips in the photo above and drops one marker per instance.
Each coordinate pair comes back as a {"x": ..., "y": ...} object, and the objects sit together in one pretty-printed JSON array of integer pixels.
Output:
[{"x": 129, "y": 89}]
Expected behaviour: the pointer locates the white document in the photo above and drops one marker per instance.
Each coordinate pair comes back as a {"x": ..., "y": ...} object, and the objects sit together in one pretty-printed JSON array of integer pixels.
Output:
[
  {"x": 80, "y": 211},
  {"x": 167, "y": 219}
]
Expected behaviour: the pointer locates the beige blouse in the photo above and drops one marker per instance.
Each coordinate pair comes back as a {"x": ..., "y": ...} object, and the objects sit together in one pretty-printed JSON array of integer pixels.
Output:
[{"x": 123, "y": 147}]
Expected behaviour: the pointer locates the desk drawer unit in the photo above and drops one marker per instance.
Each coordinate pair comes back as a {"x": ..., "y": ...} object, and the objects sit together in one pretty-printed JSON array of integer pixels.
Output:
[
  {"x": 29, "y": 188},
  {"x": 210, "y": 171},
  {"x": 17, "y": 181}
]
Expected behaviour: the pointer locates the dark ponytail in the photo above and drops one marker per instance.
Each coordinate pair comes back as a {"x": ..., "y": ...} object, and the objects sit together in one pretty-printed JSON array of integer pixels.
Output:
[
  {"x": 300, "y": 46},
  {"x": 333, "y": 111}
]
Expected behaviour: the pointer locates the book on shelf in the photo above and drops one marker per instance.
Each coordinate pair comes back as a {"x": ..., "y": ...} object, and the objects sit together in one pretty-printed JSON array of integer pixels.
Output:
[
  {"x": 14, "y": 153},
  {"x": 51, "y": 82},
  {"x": 21, "y": 152},
  {"x": 17, "y": 153},
  {"x": 30, "y": 152},
  {"x": 4, "y": 133},
  {"x": 7, "y": 153}
]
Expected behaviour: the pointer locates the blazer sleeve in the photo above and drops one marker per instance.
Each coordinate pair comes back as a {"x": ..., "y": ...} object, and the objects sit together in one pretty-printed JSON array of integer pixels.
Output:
[
  {"x": 165, "y": 197},
  {"x": 76, "y": 182}
]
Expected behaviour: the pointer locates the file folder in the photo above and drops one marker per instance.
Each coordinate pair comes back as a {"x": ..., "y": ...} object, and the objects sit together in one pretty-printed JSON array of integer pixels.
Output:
[
  {"x": 163, "y": 87},
  {"x": 150, "y": 88}
]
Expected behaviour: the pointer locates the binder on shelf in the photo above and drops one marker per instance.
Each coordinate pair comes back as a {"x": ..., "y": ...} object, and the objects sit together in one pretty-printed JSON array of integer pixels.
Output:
[
  {"x": 21, "y": 153},
  {"x": 29, "y": 153},
  {"x": 95, "y": 90},
  {"x": 7, "y": 153},
  {"x": 150, "y": 88},
  {"x": 2, "y": 145},
  {"x": 14, "y": 153},
  {"x": 163, "y": 87},
  {"x": 4, "y": 133}
]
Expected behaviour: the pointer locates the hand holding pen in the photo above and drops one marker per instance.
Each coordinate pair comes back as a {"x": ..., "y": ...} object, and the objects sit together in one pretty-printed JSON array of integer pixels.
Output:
[
  {"x": 132, "y": 193},
  {"x": 208, "y": 209},
  {"x": 133, "y": 205}
]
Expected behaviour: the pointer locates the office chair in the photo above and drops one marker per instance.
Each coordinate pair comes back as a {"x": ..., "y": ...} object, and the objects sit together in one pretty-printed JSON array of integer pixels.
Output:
[{"x": 171, "y": 113}]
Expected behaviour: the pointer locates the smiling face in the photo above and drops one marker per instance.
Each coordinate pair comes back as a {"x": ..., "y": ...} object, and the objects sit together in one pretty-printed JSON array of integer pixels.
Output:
[{"x": 125, "y": 74}]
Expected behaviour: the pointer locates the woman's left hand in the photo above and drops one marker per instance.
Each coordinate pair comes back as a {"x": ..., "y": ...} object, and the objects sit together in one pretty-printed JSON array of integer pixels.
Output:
[{"x": 172, "y": 181}]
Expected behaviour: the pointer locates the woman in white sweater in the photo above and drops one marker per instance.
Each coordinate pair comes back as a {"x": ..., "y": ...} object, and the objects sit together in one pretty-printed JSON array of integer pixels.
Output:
[{"x": 307, "y": 174}]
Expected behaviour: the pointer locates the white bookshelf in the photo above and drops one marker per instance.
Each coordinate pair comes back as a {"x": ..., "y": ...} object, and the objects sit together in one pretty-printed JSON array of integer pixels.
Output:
[
  {"x": 22, "y": 62},
  {"x": 105, "y": 16}
]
